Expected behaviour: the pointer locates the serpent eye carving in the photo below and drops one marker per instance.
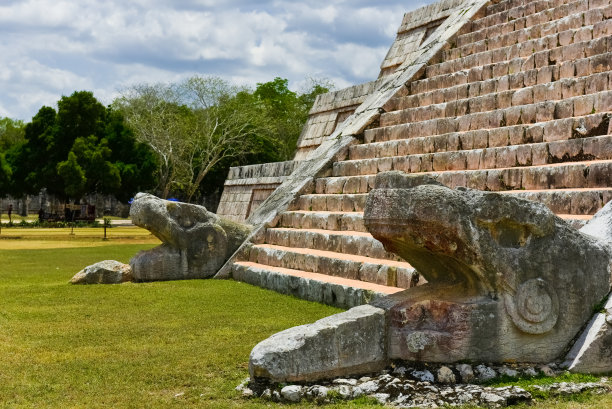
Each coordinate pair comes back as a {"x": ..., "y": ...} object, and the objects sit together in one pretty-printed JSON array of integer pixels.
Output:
[{"x": 534, "y": 308}]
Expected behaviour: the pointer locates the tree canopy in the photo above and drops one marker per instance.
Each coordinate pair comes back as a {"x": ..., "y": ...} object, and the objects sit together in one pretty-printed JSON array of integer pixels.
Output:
[
  {"x": 200, "y": 127},
  {"x": 81, "y": 148},
  {"x": 176, "y": 139}
]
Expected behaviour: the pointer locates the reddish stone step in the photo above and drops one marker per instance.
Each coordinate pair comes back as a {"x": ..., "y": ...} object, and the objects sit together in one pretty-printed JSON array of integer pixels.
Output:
[
  {"x": 354, "y": 267},
  {"x": 336, "y": 291}
]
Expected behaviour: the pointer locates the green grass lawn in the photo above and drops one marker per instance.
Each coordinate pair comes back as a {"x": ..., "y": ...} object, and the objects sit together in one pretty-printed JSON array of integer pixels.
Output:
[
  {"x": 167, "y": 344},
  {"x": 173, "y": 344}
]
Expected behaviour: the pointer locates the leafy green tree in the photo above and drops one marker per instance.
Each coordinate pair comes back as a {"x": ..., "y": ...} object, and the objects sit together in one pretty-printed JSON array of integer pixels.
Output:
[
  {"x": 135, "y": 161},
  {"x": 82, "y": 148},
  {"x": 287, "y": 111},
  {"x": 73, "y": 176},
  {"x": 200, "y": 127},
  {"x": 12, "y": 132},
  {"x": 192, "y": 126},
  {"x": 6, "y": 175}
]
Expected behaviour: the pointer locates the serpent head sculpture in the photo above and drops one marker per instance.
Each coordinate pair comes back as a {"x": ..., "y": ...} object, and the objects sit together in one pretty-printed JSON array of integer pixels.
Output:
[
  {"x": 195, "y": 242},
  {"x": 508, "y": 280}
]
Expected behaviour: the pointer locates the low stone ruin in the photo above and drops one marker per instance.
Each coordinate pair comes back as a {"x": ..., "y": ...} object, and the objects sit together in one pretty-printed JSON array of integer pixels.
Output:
[
  {"x": 508, "y": 281},
  {"x": 196, "y": 242}
]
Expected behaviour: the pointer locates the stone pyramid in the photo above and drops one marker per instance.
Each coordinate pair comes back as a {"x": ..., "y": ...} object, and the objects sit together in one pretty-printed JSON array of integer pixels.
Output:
[{"x": 509, "y": 96}]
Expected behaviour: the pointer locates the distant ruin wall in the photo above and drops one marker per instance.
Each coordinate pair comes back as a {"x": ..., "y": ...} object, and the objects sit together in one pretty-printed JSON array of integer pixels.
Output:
[
  {"x": 106, "y": 205},
  {"x": 246, "y": 187}
]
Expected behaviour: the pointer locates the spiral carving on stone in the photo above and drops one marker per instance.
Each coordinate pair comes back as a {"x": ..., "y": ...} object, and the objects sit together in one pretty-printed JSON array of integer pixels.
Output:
[{"x": 534, "y": 308}]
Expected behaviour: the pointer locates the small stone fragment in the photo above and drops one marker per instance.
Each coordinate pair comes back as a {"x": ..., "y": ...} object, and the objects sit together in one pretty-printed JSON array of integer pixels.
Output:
[
  {"x": 530, "y": 372},
  {"x": 368, "y": 387},
  {"x": 485, "y": 373},
  {"x": 466, "y": 372},
  {"x": 382, "y": 398},
  {"x": 446, "y": 375},
  {"x": 508, "y": 372},
  {"x": 400, "y": 370},
  {"x": 104, "y": 272},
  {"x": 317, "y": 393},
  {"x": 292, "y": 393},
  {"x": 492, "y": 399},
  {"x": 344, "y": 381},
  {"x": 547, "y": 371},
  {"x": 345, "y": 391},
  {"x": 423, "y": 376}
]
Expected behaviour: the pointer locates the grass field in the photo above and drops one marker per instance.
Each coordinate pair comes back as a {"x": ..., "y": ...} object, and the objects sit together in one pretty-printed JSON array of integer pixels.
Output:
[{"x": 156, "y": 345}]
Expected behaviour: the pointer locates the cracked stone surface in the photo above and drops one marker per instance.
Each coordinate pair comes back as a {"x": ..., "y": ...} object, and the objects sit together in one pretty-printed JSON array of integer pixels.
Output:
[
  {"x": 507, "y": 279},
  {"x": 196, "y": 242}
]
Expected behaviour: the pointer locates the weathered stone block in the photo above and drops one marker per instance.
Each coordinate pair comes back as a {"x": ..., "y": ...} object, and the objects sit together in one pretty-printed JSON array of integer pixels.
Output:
[
  {"x": 104, "y": 272},
  {"x": 495, "y": 263},
  {"x": 319, "y": 350},
  {"x": 592, "y": 352}
]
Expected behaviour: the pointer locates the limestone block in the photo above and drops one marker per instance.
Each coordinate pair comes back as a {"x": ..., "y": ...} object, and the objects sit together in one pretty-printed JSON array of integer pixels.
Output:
[
  {"x": 600, "y": 225},
  {"x": 196, "y": 242},
  {"x": 341, "y": 345},
  {"x": 592, "y": 352},
  {"x": 506, "y": 278},
  {"x": 104, "y": 272}
]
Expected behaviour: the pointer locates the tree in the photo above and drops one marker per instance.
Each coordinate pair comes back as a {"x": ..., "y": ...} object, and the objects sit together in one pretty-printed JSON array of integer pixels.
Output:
[
  {"x": 73, "y": 175},
  {"x": 12, "y": 132},
  {"x": 81, "y": 148},
  {"x": 200, "y": 127},
  {"x": 192, "y": 126},
  {"x": 156, "y": 119},
  {"x": 286, "y": 110}
]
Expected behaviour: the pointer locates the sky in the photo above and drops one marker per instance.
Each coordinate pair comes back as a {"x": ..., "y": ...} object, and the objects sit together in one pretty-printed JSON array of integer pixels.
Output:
[{"x": 51, "y": 48}]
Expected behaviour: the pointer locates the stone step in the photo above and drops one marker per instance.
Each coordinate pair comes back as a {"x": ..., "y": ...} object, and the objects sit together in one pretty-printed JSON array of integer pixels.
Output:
[
  {"x": 575, "y": 221},
  {"x": 538, "y": 52},
  {"x": 398, "y": 140},
  {"x": 504, "y": 5},
  {"x": 520, "y": 108},
  {"x": 326, "y": 220},
  {"x": 379, "y": 271},
  {"x": 320, "y": 201},
  {"x": 570, "y": 150},
  {"x": 497, "y": 92},
  {"x": 336, "y": 291},
  {"x": 358, "y": 243},
  {"x": 562, "y": 201},
  {"x": 587, "y": 174},
  {"x": 581, "y": 23},
  {"x": 519, "y": 71},
  {"x": 534, "y": 14}
]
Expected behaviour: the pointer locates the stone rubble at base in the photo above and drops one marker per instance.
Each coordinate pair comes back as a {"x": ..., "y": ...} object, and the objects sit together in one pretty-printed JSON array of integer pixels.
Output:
[{"x": 406, "y": 387}]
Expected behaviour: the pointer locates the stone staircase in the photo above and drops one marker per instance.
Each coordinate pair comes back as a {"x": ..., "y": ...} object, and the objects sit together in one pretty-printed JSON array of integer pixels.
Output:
[{"x": 519, "y": 102}]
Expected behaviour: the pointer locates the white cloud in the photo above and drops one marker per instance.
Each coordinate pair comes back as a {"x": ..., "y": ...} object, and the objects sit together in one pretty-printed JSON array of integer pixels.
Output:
[{"x": 52, "y": 48}]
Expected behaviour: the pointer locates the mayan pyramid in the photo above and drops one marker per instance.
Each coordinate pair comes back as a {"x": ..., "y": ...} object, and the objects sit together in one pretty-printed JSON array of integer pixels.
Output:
[{"x": 510, "y": 96}]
